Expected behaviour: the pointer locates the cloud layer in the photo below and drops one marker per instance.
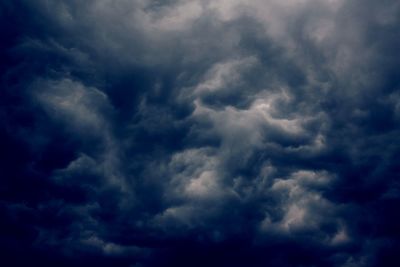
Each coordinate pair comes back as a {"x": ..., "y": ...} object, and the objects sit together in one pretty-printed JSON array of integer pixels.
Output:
[{"x": 200, "y": 133}]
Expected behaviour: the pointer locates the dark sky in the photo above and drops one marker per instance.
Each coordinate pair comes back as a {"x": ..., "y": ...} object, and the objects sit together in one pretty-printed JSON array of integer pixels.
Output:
[{"x": 229, "y": 133}]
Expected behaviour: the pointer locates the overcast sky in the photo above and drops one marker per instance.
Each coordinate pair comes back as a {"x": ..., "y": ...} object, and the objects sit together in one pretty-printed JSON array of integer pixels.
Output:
[{"x": 226, "y": 133}]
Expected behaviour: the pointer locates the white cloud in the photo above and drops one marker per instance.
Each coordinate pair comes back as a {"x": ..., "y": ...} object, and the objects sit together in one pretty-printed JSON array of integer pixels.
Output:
[
  {"x": 75, "y": 104},
  {"x": 223, "y": 75},
  {"x": 304, "y": 207}
]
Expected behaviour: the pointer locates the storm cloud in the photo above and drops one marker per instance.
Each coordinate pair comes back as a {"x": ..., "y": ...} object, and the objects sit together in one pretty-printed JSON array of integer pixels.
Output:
[{"x": 200, "y": 133}]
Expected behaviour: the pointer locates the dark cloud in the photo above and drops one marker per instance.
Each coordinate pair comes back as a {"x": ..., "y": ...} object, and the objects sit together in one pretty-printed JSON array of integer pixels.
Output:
[{"x": 199, "y": 133}]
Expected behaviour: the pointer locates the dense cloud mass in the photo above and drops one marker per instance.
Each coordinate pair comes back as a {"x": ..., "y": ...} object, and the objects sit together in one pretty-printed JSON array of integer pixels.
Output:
[{"x": 146, "y": 133}]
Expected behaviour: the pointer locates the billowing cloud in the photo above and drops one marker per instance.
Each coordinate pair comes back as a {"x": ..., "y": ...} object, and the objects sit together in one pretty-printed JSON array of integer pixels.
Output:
[{"x": 199, "y": 133}]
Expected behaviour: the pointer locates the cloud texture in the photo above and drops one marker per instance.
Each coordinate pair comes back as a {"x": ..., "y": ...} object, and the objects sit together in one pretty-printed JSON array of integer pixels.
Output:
[{"x": 200, "y": 133}]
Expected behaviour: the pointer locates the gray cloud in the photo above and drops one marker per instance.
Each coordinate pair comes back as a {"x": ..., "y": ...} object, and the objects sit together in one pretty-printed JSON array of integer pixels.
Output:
[{"x": 193, "y": 133}]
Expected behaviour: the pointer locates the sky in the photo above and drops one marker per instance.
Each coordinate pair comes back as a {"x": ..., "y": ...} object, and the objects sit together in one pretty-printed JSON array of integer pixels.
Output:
[{"x": 228, "y": 133}]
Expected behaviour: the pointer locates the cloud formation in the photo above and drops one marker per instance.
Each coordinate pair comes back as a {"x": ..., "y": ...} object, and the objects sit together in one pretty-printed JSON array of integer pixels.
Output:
[{"x": 200, "y": 133}]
